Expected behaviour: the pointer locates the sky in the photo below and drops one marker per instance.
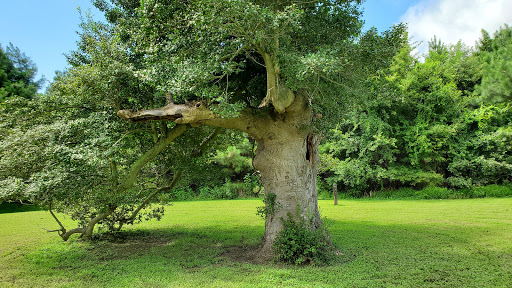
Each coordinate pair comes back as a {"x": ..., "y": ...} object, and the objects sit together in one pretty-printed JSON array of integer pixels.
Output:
[{"x": 46, "y": 30}]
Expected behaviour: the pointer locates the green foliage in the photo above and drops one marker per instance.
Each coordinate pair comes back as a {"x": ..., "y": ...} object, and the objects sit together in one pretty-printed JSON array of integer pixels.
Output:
[
  {"x": 17, "y": 74},
  {"x": 492, "y": 191},
  {"x": 401, "y": 193},
  {"x": 6, "y": 207},
  {"x": 227, "y": 191},
  {"x": 411, "y": 177},
  {"x": 252, "y": 185},
  {"x": 422, "y": 128},
  {"x": 433, "y": 192},
  {"x": 67, "y": 149},
  {"x": 270, "y": 207},
  {"x": 300, "y": 243},
  {"x": 496, "y": 55},
  {"x": 181, "y": 194},
  {"x": 237, "y": 158}
]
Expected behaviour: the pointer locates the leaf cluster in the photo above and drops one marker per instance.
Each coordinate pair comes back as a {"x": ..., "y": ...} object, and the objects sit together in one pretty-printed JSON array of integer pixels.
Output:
[{"x": 300, "y": 243}]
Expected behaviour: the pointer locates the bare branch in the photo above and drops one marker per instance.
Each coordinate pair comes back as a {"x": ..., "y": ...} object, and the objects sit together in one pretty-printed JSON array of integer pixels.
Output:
[
  {"x": 62, "y": 229},
  {"x": 192, "y": 112}
]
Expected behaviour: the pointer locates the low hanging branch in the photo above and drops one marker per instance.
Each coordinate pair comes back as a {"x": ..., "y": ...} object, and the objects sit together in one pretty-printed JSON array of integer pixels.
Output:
[
  {"x": 84, "y": 231},
  {"x": 128, "y": 182}
]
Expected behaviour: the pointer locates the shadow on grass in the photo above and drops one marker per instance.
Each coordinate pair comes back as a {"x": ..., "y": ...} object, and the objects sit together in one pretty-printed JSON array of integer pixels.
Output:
[
  {"x": 17, "y": 207},
  {"x": 378, "y": 255}
]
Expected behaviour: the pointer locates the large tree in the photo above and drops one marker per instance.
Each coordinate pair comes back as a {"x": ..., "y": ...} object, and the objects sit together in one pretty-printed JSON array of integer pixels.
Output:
[{"x": 267, "y": 68}]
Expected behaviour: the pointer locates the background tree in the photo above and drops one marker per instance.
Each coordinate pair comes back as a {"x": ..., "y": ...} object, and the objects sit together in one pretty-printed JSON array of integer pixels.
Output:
[
  {"x": 17, "y": 74},
  {"x": 496, "y": 55},
  {"x": 427, "y": 125}
]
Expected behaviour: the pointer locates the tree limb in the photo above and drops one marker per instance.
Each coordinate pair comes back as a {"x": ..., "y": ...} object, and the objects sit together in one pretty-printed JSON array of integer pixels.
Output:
[
  {"x": 62, "y": 229},
  {"x": 149, "y": 155},
  {"x": 146, "y": 201},
  {"x": 90, "y": 227},
  {"x": 189, "y": 113},
  {"x": 68, "y": 234},
  {"x": 193, "y": 113},
  {"x": 204, "y": 145}
]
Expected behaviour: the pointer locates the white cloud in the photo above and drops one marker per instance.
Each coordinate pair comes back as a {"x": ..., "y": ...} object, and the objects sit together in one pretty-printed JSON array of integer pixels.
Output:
[{"x": 454, "y": 20}]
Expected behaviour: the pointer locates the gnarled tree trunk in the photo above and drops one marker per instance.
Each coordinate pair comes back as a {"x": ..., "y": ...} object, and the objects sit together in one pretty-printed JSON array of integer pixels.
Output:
[
  {"x": 287, "y": 154},
  {"x": 287, "y": 160}
]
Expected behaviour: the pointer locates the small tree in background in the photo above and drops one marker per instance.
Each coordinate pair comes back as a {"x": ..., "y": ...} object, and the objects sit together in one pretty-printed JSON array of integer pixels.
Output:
[
  {"x": 17, "y": 74},
  {"x": 496, "y": 55}
]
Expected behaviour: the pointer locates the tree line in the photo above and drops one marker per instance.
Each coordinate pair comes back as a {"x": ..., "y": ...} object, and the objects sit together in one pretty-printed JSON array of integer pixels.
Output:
[{"x": 441, "y": 122}]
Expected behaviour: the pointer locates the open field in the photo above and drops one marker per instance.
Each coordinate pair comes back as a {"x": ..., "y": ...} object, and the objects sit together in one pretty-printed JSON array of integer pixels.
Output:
[{"x": 408, "y": 243}]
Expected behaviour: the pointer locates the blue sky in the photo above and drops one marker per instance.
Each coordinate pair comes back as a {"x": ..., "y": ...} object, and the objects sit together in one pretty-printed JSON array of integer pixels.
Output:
[
  {"x": 46, "y": 30},
  {"x": 43, "y": 30},
  {"x": 384, "y": 13}
]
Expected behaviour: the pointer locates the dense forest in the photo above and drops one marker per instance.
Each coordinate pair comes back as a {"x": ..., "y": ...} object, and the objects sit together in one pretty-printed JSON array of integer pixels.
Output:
[{"x": 440, "y": 121}]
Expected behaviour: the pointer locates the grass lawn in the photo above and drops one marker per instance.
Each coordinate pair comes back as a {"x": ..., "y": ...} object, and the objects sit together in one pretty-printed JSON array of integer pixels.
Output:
[{"x": 407, "y": 243}]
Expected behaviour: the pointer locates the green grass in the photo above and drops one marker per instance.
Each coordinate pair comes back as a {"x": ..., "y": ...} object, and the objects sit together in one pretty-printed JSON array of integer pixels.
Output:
[{"x": 386, "y": 243}]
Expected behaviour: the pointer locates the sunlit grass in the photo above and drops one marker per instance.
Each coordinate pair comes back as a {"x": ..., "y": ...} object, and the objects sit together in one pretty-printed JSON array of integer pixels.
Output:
[{"x": 409, "y": 243}]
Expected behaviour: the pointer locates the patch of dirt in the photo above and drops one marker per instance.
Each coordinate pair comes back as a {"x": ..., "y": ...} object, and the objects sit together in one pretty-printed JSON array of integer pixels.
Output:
[
  {"x": 127, "y": 246},
  {"x": 246, "y": 254}
]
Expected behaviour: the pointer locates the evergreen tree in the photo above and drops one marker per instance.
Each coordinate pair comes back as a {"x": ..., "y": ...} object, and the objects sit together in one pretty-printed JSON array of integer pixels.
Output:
[
  {"x": 17, "y": 74},
  {"x": 496, "y": 56}
]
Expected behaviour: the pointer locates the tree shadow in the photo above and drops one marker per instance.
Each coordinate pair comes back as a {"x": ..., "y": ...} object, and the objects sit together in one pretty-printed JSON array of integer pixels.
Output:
[
  {"x": 395, "y": 254},
  {"x": 17, "y": 207}
]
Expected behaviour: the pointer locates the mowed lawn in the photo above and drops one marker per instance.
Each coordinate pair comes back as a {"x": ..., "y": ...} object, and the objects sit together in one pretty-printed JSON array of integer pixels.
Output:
[{"x": 406, "y": 243}]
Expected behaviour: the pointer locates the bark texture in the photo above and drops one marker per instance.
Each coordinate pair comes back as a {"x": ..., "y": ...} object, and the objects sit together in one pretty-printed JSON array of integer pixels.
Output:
[{"x": 287, "y": 160}]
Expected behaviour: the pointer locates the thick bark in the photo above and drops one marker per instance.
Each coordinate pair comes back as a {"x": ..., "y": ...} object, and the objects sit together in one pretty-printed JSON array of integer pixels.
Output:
[{"x": 287, "y": 160}]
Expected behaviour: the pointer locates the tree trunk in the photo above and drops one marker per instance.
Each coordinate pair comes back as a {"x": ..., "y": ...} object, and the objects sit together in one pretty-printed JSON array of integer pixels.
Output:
[
  {"x": 287, "y": 159},
  {"x": 287, "y": 154}
]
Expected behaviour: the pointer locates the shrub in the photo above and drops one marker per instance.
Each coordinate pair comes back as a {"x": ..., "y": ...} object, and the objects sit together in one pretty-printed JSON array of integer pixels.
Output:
[
  {"x": 493, "y": 191},
  {"x": 208, "y": 193},
  {"x": 252, "y": 185},
  {"x": 396, "y": 194},
  {"x": 459, "y": 182},
  {"x": 434, "y": 192},
  {"x": 182, "y": 194},
  {"x": 227, "y": 191},
  {"x": 413, "y": 177},
  {"x": 299, "y": 243}
]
